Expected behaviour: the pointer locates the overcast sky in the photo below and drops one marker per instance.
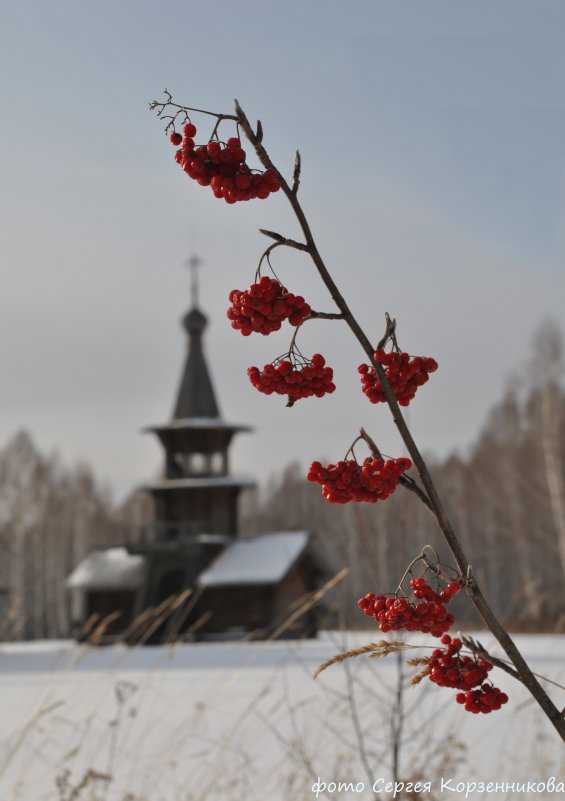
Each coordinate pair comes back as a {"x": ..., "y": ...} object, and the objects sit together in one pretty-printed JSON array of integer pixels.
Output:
[{"x": 433, "y": 142}]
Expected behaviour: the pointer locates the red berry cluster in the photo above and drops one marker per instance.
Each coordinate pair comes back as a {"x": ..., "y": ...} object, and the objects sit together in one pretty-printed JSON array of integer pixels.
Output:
[
  {"x": 422, "y": 589},
  {"x": 294, "y": 380},
  {"x": 223, "y": 167},
  {"x": 427, "y": 613},
  {"x": 263, "y": 307},
  {"x": 405, "y": 374},
  {"x": 449, "y": 669},
  {"x": 346, "y": 481},
  {"x": 485, "y": 699}
]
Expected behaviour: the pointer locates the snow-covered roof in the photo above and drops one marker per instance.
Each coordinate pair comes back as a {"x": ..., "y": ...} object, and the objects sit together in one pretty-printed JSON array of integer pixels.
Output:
[
  {"x": 265, "y": 559},
  {"x": 198, "y": 422},
  {"x": 112, "y": 569},
  {"x": 198, "y": 482}
]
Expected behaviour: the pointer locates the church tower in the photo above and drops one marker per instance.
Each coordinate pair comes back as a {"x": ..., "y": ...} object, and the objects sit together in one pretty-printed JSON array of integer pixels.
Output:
[{"x": 197, "y": 494}]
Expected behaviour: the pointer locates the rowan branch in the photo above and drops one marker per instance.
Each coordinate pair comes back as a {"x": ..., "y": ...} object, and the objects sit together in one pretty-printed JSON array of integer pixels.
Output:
[
  {"x": 427, "y": 493},
  {"x": 430, "y": 492}
]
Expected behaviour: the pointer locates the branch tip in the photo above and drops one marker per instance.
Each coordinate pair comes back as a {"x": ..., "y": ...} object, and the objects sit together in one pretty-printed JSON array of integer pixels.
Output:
[
  {"x": 296, "y": 172},
  {"x": 272, "y": 235}
]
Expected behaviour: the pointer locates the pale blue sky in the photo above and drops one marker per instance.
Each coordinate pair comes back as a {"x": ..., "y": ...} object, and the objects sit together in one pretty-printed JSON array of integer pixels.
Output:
[{"x": 433, "y": 143}]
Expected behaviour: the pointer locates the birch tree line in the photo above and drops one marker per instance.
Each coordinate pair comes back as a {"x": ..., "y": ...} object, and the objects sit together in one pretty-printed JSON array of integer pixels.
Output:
[
  {"x": 506, "y": 498},
  {"x": 50, "y": 518}
]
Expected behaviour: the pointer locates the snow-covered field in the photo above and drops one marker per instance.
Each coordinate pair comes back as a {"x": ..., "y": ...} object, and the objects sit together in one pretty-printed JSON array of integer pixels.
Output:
[{"x": 245, "y": 721}]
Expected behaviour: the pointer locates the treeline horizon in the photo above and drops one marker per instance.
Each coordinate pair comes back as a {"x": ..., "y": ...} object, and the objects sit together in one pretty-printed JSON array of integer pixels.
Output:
[{"x": 505, "y": 497}]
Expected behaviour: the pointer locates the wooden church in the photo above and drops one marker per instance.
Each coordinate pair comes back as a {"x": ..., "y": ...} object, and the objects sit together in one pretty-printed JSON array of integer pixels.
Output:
[{"x": 194, "y": 577}]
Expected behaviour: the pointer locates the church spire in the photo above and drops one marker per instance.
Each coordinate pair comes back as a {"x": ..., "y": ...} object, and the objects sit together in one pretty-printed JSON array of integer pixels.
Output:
[
  {"x": 196, "y": 396},
  {"x": 193, "y": 264}
]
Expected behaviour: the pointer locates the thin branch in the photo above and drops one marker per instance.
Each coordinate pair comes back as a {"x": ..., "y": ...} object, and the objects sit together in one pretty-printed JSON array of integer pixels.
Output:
[
  {"x": 407, "y": 482},
  {"x": 479, "y": 650},
  {"x": 397, "y": 718},
  {"x": 371, "y": 443},
  {"x": 160, "y": 106},
  {"x": 389, "y": 332},
  {"x": 296, "y": 172},
  {"x": 282, "y": 240},
  {"x": 360, "y": 735},
  {"x": 314, "y": 315}
]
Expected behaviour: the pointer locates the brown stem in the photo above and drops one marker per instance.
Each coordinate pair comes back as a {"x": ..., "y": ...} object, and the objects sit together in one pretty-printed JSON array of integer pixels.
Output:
[
  {"x": 389, "y": 333},
  {"x": 476, "y": 648},
  {"x": 407, "y": 482},
  {"x": 314, "y": 315},
  {"x": 296, "y": 172},
  {"x": 282, "y": 240}
]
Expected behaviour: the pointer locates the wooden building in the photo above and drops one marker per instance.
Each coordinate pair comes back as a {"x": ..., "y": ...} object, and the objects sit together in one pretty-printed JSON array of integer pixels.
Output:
[{"x": 222, "y": 585}]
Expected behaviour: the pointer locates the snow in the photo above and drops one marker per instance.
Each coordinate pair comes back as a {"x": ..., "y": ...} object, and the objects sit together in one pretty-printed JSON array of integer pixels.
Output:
[
  {"x": 199, "y": 422},
  {"x": 264, "y": 559},
  {"x": 213, "y": 481},
  {"x": 246, "y": 722},
  {"x": 112, "y": 568}
]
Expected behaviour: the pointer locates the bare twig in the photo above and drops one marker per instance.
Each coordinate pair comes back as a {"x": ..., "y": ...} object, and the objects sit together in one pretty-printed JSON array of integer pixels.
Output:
[
  {"x": 160, "y": 106},
  {"x": 296, "y": 172},
  {"x": 407, "y": 482},
  {"x": 476, "y": 648},
  {"x": 283, "y": 240},
  {"x": 389, "y": 332},
  {"x": 314, "y": 315},
  {"x": 359, "y": 734}
]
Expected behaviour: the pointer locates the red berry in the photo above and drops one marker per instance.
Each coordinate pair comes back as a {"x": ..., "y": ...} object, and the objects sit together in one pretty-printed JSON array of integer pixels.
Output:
[{"x": 176, "y": 138}]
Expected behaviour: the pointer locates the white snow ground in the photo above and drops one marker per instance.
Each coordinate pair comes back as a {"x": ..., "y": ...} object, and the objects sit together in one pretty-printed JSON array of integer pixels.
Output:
[{"x": 245, "y": 721}]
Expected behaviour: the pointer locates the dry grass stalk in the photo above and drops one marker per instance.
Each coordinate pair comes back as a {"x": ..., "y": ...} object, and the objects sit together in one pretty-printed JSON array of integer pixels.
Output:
[
  {"x": 374, "y": 649},
  {"x": 417, "y": 661},
  {"x": 13, "y": 622},
  {"x": 89, "y": 777},
  {"x": 137, "y": 624},
  {"x": 419, "y": 676},
  {"x": 188, "y": 600},
  {"x": 305, "y": 603},
  {"x": 198, "y": 623},
  {"x": 100, "y": 630},
  {"x": 160, "y": 614},
  {"x": 88, "y": 627}
]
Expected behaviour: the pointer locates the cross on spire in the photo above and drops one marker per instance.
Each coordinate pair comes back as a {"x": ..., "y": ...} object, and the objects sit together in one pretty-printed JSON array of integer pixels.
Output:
[{"x": 193, "y": 264}]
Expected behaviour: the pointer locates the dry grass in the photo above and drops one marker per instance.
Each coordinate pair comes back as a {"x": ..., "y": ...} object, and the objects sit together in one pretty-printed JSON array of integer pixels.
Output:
[{"x": 221, "y": 733}]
